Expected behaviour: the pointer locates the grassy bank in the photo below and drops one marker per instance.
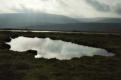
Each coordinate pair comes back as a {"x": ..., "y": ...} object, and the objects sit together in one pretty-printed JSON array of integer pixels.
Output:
[{"x": 23, "y": 66}]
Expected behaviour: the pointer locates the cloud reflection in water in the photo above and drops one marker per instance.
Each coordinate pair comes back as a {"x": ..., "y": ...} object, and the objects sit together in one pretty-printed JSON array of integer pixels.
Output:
[{"x": 48, "y": 48}]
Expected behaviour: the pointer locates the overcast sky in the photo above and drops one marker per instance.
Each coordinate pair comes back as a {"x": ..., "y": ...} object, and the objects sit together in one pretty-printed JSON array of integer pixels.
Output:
[{"x": 71, "y": 8}]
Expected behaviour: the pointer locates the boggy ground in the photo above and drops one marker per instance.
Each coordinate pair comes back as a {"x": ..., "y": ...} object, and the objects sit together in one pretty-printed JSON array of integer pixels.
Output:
[{"x": 23, "y": 66}]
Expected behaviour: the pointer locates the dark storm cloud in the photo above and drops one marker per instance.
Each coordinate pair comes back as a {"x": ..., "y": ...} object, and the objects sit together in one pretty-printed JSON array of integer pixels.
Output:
[{"x": 99, "y": 6}]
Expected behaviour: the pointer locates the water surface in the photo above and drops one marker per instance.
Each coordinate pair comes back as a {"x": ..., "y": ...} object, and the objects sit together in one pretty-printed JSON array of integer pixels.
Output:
[{"x": 48, "y": 48}]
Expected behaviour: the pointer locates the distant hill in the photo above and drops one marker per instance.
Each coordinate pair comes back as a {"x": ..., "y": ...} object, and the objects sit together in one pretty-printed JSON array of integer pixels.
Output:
[
  {"x": 28, "y": 19},
  {"x": 113, "y": 27},
  {"x": 44, "y": 21},
  {"x": 105, "y": 27},
  {"x": 100, "y": 20}
]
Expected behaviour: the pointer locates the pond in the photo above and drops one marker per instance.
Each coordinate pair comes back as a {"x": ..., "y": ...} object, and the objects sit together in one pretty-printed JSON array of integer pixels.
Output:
[{"x": 48, "y": 48}]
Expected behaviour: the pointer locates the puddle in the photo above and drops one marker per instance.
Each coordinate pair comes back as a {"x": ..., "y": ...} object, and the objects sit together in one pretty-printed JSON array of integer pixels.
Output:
[{"x": 48, "y": 48}]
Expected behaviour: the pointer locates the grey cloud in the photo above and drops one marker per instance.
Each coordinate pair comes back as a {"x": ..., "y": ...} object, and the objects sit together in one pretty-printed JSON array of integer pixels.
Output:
[
  {"x": 71, "y": 8},
  {"x": 118, "y": 9},
  {"x": 62, "y": 3},
  {"x": 99, "y": 6},
  {"x": 22, "y": 9}
]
